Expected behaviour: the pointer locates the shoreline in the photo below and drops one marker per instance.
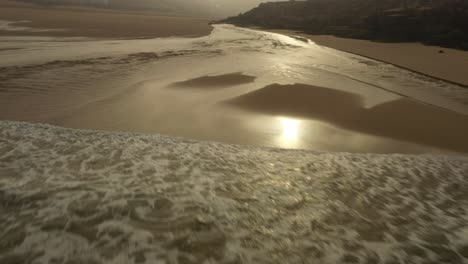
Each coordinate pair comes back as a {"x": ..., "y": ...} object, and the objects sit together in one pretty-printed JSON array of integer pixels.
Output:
[
  {"x": 420, "y": 63},
  {"x": 189, "y": 140},
  {"x": 18, "y": 19}
]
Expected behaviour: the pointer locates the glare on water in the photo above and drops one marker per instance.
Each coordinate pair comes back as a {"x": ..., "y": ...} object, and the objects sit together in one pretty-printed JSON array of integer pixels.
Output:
[{"x": 290, "y": 131}]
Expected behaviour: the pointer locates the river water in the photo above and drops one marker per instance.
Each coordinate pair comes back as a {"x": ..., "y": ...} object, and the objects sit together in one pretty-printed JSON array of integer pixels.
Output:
[{"x": 180, "y": 86}]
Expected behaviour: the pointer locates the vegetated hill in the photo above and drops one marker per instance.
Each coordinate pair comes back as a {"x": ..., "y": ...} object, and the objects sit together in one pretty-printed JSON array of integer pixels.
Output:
[{"x": 436, "y": 22}]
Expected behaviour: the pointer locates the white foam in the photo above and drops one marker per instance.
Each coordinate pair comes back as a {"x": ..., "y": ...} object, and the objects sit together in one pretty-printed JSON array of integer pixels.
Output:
[{"x": 133, "y": 198}]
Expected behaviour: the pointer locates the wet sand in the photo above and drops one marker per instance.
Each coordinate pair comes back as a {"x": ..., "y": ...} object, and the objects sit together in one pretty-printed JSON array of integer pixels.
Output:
[
  {"x": 225, "y": 80},
  {"x": 402, "y": 119},
  {"x": 450, "y": 65},
  {"x": 96, "y": 23},
  {"x": 179, "y": 86}
]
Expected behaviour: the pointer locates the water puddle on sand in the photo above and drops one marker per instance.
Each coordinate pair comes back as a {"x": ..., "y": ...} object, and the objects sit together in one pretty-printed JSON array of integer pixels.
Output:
[{"x": 237, "y": 86}]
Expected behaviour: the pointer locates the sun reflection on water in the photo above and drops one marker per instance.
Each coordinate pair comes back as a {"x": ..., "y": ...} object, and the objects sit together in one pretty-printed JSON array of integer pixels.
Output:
[{"x": 290, "y": 130}]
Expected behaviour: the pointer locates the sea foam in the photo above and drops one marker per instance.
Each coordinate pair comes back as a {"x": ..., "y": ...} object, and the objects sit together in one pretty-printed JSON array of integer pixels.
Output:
[{"x": 77, "y": 196}]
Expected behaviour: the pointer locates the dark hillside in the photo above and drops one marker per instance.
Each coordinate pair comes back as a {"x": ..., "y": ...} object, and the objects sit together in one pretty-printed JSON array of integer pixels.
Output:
[{"x": 437, "y": 22}]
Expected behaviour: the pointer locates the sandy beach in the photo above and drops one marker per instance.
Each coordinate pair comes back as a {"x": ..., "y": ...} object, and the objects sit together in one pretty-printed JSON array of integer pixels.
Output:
[
  {"x": 32, "y": 20},
  {"x": 450, "y": 65}
]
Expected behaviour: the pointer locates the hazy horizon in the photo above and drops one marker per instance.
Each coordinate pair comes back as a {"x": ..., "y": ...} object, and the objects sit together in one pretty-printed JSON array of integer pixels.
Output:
[{"x": 210, "y": 8}]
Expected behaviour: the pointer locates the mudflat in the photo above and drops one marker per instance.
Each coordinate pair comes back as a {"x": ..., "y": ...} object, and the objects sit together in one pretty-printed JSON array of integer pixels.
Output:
[
  {"x": 442, "y": 63},
  {"x": 236, "y": 86},
  {"x": 225, "y": 80},
  {"x": 35, "y": 20}
]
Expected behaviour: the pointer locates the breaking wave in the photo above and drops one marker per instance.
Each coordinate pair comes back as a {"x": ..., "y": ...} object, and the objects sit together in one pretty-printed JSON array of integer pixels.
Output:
[{"x": 76, "y": 196}]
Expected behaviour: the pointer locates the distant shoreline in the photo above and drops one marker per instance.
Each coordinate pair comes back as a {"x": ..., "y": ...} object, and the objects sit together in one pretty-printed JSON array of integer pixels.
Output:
[
  {"x": 32, "y": 20},
  {"x": 449, "y": 66}
]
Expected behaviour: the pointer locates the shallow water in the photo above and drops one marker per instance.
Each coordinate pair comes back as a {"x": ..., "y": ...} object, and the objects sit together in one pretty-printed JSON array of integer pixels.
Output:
[
  {"x": 13, "y": 26},
  {"x": 153, "y": 86}
]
